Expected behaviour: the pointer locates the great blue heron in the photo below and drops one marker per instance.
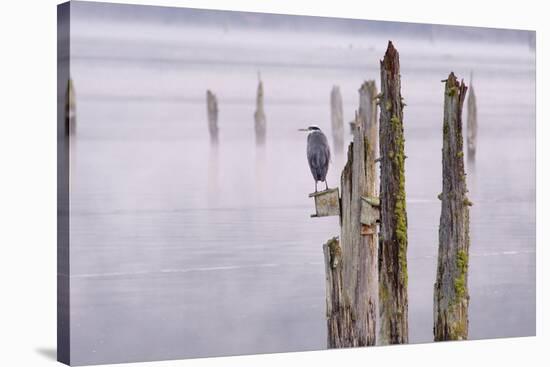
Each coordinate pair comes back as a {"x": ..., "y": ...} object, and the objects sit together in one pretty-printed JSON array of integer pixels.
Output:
[{"x": 318, "y": 154}]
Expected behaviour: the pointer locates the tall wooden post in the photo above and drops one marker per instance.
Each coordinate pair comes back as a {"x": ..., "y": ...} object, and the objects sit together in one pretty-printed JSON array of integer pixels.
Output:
[
  {"x": 393, "y": 213},
  {"x": 337, "y": 119},
  {"x": 352, "y": 264},
  {"x": 471, "y": 136},
  {"x": 359, "y": 248},
  {"x": 212, "y": 110},
  {"x": 259, "y": 115},
  {"x": 368, "y": 115},
  {"x": 451, "y": 288}
]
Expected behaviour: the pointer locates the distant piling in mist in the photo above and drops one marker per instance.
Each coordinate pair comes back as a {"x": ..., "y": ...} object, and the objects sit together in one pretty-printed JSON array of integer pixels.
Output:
[
  {"x": 393, "y": 213},
  {"x": 70, "y": 108},
  {"x": 212, "y": 112},
  {"x": 337, "y": 119},
  {"x": 451, "y": 298},
  {"x": 471, "y": 137},
  {"x": 259, "y": 114}
]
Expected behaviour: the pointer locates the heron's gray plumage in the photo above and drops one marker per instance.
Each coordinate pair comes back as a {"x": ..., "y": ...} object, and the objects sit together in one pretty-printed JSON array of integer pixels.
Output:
[{"x": 318, "y": 154}]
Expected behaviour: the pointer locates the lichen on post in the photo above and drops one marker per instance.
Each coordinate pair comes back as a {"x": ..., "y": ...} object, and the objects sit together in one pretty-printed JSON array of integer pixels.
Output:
[
  {"x": 393, "y": 212},
  {"x": 212, "y": 111},
  {"x": 337, "y": 119},
  {"x": 259, "y": 114},
  {"x": 451, "y": 297}
]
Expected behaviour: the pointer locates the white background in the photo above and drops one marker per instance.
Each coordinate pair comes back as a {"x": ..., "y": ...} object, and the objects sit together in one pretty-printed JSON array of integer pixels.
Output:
[{"x": 28, "y": 181}]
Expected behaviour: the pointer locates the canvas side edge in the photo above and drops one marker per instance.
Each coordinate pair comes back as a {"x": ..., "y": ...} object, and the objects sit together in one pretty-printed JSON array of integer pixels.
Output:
[{"x": 63, "y": 195}]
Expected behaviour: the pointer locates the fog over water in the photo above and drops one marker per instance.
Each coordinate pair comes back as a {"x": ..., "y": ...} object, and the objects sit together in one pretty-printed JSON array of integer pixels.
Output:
[{"x": 180, "y": 249}]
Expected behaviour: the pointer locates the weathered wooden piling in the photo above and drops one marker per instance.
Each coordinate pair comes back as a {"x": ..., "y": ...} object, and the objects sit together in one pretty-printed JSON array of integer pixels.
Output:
[
  {"x": 352, "y": 264},
  {"x": 359, "y": 244},
  {"x": 337, "y": 119},
  {"x": 471, "y": 136},
  {"x": 339, "y": 315},
  {"x": 212, "y": 111},
  {"x": 451, "y": 297},
  {"x": 393, "y": 212},
  {"x": 259, "y": 115}
]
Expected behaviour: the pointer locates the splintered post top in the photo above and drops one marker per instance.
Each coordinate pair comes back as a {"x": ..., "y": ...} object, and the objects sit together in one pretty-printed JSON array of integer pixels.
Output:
[
  {"x": 391, "y": 58},
  {"x": 454, "y": 87}
]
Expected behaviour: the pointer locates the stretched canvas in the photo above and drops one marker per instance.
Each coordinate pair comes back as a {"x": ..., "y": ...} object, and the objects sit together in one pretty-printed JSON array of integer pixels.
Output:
[{"x": 237, "y": 183}]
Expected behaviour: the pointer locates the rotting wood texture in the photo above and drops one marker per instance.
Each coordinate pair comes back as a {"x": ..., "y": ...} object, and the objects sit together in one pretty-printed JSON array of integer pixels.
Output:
[
  {"x": 393, "y": 212},
  {"x": 339, "y": 318},
  {"x": 451, "y": 298},
  {"x": 352, "y": 286}
]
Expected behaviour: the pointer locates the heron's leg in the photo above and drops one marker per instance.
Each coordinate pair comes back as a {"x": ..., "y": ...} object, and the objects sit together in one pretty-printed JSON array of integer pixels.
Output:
[
  {"x": 326, "y": 185},
  {"x": 315, "y": 185}
]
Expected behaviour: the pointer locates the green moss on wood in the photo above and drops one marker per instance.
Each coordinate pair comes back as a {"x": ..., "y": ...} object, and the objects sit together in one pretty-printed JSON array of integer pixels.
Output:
[
  {"x": 460, "y": 280},
  {"x": 394, "y": 120},
  {"x": 401, "y": 234},
  {"x": 453, "y": 91},
  {"x": 335, "y": 251},
  {"x": 383, "y": 292},
  {"x": 400, "y": 210},
  {"x": 457, "y": 330}
]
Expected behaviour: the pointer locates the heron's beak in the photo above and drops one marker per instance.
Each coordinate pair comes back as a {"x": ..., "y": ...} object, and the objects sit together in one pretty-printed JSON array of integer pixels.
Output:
[{"x": 303, "y": 130}]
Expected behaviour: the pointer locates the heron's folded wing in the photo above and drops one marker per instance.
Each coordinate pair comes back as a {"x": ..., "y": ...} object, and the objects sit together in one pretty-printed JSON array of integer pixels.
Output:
[{"x": 318, "y": 151}]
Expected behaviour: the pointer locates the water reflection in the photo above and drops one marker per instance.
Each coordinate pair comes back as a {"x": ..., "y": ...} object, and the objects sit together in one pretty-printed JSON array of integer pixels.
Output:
[{"x": 213, "y": 175}]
